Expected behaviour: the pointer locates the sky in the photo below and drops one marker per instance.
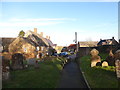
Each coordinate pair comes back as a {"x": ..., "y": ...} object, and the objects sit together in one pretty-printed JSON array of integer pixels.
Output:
[{"x": 60, "y": 20}]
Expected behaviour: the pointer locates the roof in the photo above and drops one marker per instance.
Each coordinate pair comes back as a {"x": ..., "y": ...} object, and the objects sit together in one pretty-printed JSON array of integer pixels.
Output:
[
  {"x": 88, "y": 43},
  {"x": 6, "y": 40},
  {"x": 72, "y": 45},
  {"x": 49, "y": 42},
  {"x": 39, "y": 40},
  {"x": 23, "y": 40},
  {"x": 107, "y": 42}
]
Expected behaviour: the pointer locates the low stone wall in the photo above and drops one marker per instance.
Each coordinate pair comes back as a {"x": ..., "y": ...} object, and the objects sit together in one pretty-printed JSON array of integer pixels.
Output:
[{"x": 102, "y": 49}]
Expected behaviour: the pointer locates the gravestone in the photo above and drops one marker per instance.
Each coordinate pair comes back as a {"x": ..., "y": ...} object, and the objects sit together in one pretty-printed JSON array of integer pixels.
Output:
[
  {"x": 5, "y": 63},
  {"x": 17, "y": 61},
  {"x": 104, "y": 64},
  {"x": 5, "y": 68},
  {"x": 94, "y": 57},
  {"x": 117, "y": 55},
  {"x": 117, "y": 64},
  {"x": 110, "y": 59}
]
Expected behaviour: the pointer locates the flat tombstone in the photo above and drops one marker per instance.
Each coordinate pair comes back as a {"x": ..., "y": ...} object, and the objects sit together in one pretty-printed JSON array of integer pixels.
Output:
[
  {"x": 117, "y": 64},
  {"x": 17, "y": 61}
]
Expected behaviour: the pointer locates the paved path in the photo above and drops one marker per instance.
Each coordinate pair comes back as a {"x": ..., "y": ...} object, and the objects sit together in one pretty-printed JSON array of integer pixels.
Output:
[{"x": 72, "y": 77}]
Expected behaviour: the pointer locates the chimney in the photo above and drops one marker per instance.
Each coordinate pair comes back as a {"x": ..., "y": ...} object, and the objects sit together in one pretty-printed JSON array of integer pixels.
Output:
[
  {"x": 112, "y": 37},
  {"x": 35, "y": 30},
  {"x": 47, "y": 37},
  {"x": 41, "y": 34}
]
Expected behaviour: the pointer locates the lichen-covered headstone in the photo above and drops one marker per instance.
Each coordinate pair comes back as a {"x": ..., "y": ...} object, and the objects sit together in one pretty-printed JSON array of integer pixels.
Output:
[
  {"x": 104, "y": 64},
  {"x": 17, "y": 61},
  {"x": 110, "y": 59},
  {"x": 94, "y": 57}
]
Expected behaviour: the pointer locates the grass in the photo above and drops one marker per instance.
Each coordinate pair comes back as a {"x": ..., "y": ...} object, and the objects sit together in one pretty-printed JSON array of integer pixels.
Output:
[
  {"x": 99, "y": 77},
  {"x": 47, "y": 76}
]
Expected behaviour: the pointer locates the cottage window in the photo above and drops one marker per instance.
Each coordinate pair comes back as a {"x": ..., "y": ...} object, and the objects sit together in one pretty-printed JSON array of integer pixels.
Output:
[{"x": 25, "y": 49}]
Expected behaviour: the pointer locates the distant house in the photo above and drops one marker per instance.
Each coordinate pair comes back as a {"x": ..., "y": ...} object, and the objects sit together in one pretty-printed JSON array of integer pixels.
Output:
[
  {"x": 72, "y": 47},
  {"x": 107, "y": 42},
  {"x": 88, "y": 43}
]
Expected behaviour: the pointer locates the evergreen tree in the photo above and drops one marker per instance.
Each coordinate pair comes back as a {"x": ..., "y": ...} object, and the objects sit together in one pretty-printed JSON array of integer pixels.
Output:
[{"x": 21, "y": 33}]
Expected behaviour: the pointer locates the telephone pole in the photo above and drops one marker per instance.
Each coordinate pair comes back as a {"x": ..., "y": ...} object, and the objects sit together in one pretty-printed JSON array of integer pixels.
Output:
[{"x": 76, "y": 42}]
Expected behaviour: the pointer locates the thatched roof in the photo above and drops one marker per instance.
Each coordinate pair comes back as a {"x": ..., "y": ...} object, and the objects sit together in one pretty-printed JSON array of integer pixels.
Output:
[
  {"x": 49, "y": 42},
  {"x": 18, "y": 43},
  {"x": 39, "y": 40}
]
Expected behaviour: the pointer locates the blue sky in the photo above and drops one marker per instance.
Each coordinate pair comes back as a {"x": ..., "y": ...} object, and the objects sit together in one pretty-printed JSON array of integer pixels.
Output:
[{"x": 60, "y": 20}]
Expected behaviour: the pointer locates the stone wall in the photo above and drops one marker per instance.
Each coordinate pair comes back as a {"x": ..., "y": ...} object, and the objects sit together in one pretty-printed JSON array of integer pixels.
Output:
[{"x": 102, "y": 49}]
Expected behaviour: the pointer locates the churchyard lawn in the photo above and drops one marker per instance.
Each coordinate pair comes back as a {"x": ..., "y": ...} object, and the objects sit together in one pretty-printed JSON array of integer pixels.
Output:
[
  {"x": 99, "y": 77},
  {"x": 46, "y": 76}
]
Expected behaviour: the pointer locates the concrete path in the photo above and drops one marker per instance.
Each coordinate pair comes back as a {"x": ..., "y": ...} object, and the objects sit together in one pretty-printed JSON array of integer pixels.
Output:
[{"x": 72, "y": 77}]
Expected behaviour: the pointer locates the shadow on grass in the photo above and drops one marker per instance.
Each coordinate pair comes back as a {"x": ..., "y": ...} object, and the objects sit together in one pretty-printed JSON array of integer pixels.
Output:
[
  {"x": 46, "y": 76},
  {"x": 98, "y": 77}
]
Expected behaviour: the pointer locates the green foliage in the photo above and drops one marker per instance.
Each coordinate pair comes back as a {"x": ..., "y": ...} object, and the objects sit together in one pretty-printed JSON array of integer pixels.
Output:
[
  {"x": 99, "y": 77},
  {"x": 21, "y": 33},
  {"x": 47, "y": 76}
]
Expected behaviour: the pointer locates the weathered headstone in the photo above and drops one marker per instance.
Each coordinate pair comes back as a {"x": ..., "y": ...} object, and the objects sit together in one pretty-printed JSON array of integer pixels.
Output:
[
  {"x": 94, "y": 57},
  {"x": 117, "y": 55},
  {"x": 117, "y": 64},
  {"x": 5, "y": 68},
  {"x": 110, "y": 59},
  {"x": 17, "y": 61},
  {"x": 104, "y": 64}
]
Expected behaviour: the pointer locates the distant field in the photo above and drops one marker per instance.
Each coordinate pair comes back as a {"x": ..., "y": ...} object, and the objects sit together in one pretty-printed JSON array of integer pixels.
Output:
[
  {"x": 47, "y": 76},
  {"x": 99, "y": 77}
]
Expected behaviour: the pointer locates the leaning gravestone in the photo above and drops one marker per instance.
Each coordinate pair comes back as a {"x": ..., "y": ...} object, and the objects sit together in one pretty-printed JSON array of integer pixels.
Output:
[
  {"x": 17, "y": 61},
  {"x": 94, "y": 57}
]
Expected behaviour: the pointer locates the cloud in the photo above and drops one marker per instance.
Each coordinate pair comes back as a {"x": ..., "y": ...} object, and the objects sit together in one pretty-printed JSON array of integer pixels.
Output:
[
  {"x": 5, "y": 24},
  {"x": 41, "y": 19},
  {"x": 34, "y": 21}
]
